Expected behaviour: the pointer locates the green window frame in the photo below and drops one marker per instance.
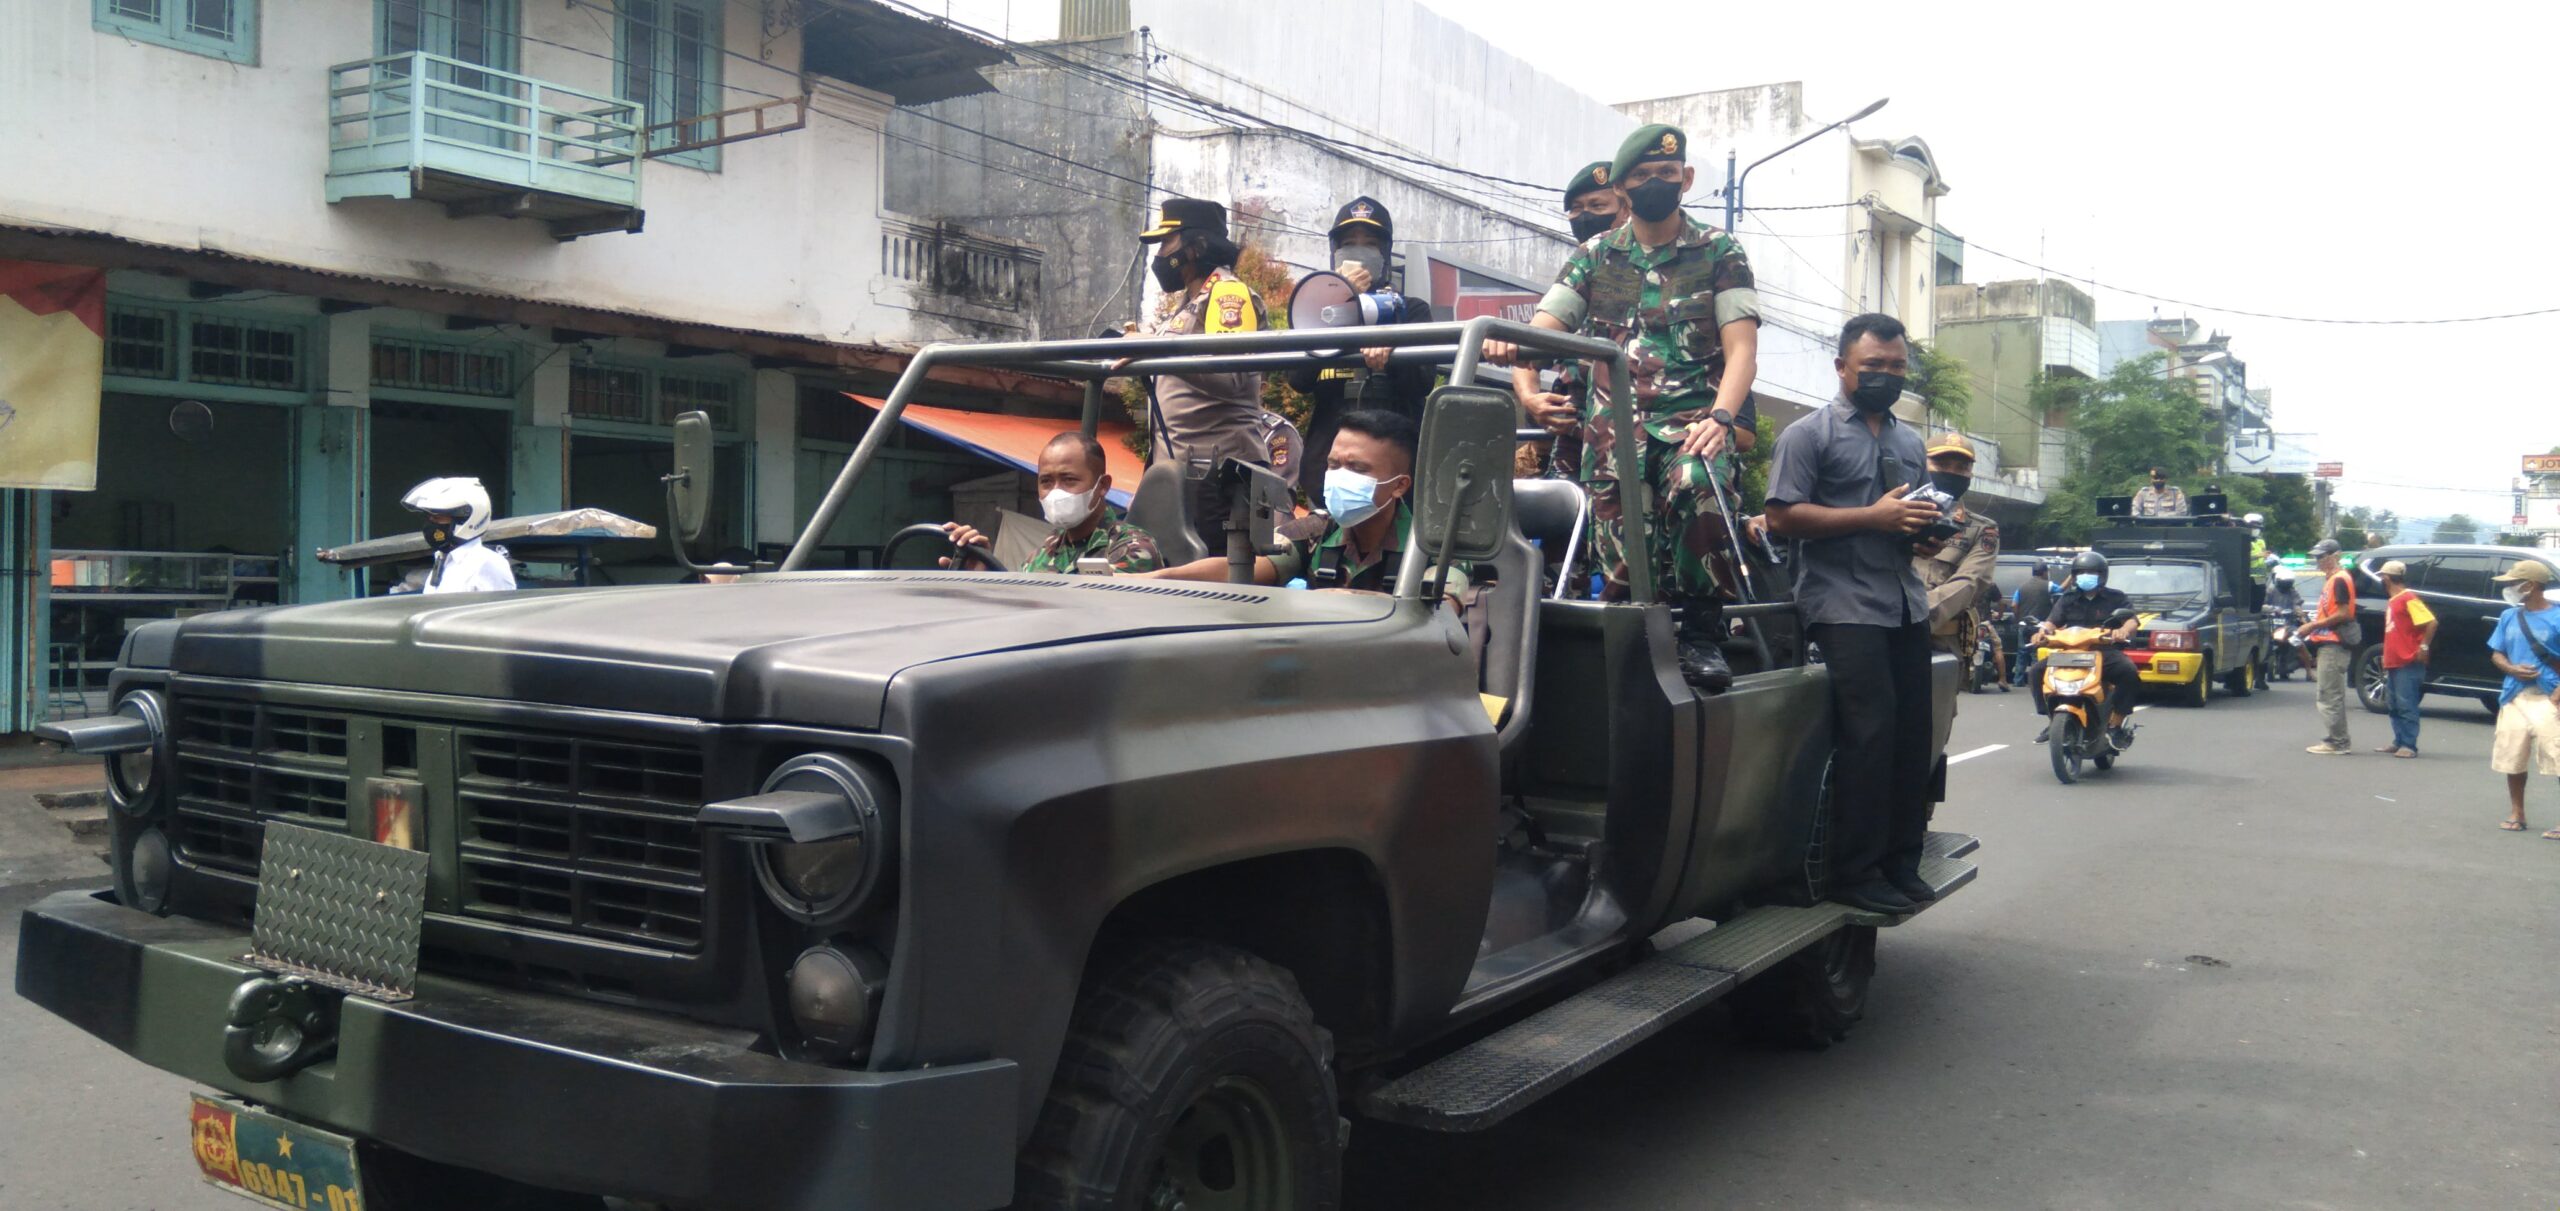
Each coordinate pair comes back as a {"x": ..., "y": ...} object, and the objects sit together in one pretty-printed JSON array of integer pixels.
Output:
[
  {"x": 444, "y": 367},
  {"x": 640, "y": 396},
  {"x": 216, "y": 29},
  {"x": 210, "y": 347},
  {"x": 667, "y": 56}
]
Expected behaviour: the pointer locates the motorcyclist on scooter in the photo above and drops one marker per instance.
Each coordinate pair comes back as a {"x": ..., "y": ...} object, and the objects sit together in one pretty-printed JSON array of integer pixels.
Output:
[{"x": 2087, "y": 601}]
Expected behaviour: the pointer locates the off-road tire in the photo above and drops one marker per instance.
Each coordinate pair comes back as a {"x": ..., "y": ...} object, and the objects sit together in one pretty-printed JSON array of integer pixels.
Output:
[
  {"x": 1812, "y": 997},
  {"x": 1163, "y": 1033},
  {"x": 397, "y": 1181}
]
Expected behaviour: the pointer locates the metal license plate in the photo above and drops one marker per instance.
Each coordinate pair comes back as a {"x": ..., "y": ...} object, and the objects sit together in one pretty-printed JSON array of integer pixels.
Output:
[{"x": 270, "y": 1160}]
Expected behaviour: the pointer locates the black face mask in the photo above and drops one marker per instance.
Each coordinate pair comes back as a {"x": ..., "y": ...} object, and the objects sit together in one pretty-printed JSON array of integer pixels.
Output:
[
  {"x": 1168, "y": 271},
  {"x": 1586, "y": 226},
  {"x": 1950, "y": 482},
  {"x": 1876, "y": 391},
  {"x": 1655, "y": 200},
  {"x": 439, "y": 535}
]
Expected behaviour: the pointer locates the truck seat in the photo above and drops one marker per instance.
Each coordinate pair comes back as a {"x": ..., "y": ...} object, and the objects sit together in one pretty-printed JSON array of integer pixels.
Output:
[
  {"x": 1511, "y": 633},
  {"x": 1160, "y": 507},
  {"x": 1553, "y": 514}
]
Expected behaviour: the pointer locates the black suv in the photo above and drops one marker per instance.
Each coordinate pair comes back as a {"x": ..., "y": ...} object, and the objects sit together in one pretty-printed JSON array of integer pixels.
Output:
[{"x": 2454, "y": 580}]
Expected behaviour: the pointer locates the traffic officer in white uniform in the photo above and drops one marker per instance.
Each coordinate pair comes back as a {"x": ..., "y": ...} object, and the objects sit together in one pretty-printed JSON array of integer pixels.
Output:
[{"x": 457, "y": 514}]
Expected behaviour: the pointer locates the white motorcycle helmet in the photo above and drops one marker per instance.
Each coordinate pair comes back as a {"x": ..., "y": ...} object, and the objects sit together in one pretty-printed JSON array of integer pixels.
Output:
[
  {"x": 456, "y": 496},
  {"x": 2255, "y": 520}
]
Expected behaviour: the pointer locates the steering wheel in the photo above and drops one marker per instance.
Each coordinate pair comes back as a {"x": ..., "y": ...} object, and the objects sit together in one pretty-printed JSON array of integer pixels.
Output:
[{"x": 889, "y": 550}]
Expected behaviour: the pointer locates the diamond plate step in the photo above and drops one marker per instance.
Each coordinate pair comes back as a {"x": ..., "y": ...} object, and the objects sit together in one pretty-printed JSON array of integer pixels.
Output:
[
  {"x": 1500, "y": 1075},
  {"x": 1949, "y": 845},
  {"x": 1755, "y": 941}
]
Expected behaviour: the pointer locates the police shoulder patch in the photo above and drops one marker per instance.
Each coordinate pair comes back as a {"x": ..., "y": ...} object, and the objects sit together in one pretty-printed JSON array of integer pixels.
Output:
[{"x": 1231, "y": 308}]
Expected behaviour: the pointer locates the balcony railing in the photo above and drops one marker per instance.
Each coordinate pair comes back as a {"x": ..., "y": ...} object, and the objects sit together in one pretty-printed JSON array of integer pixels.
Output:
[
  {"x": 979, "y": 285},
  {"x": 483, "y": 141}
]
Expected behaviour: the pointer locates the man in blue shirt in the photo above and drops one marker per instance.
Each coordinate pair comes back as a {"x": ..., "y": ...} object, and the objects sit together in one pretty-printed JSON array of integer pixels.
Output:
[{"x": 2526, "y": 647}]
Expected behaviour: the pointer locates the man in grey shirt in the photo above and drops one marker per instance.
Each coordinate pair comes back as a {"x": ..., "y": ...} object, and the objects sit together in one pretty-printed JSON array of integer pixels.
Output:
[{"x": 1836, "y": 490}]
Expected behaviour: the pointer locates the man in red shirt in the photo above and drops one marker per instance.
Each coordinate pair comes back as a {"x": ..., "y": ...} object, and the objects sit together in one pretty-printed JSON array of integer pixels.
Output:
[
  {"x": 2408, "y": 633},
  {"x": 2332, "y": 635}
]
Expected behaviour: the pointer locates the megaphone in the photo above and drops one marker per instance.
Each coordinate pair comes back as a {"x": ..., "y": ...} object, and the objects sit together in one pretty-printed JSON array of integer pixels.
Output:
[{"x": 1326, "y": 300}]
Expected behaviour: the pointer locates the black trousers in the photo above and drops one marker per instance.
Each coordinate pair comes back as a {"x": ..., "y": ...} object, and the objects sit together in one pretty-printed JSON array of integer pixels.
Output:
[
  {"x": 2124, "y": 682},
  {"x": 1881, "y": 732}
]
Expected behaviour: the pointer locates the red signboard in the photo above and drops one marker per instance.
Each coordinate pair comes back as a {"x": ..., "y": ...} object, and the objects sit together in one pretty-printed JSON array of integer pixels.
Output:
[{"x": 2331, "y": 471}]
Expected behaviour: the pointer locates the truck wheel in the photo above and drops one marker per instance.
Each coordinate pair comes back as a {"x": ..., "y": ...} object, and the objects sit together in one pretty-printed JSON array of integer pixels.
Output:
[
  {"x": 2241, "y": 680},
  {"x": 1811, "y": 999},
  {"x": 2200, "y": 691},
  {"x": 1194, "y": 1076},
  {"x": 397, "y": 1181}
]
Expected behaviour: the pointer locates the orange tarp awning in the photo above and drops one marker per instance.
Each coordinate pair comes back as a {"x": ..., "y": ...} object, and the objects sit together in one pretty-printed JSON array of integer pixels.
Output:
[{"x": 1019, "y": 439}]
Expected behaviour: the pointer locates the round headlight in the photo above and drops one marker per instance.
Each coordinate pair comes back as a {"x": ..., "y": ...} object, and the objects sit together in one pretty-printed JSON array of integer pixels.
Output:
[
  {"x": 142, "y": 879},
  {"x": 825, "y": 881},
  {"x": 133, "y": 778}
]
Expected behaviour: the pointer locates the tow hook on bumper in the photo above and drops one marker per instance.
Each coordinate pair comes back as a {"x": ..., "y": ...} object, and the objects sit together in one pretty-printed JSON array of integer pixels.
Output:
[{"x": 276, "y": 1026}]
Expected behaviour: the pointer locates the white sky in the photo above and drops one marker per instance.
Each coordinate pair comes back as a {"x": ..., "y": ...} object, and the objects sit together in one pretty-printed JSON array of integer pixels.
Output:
[{"x": 2352, "y": 161}]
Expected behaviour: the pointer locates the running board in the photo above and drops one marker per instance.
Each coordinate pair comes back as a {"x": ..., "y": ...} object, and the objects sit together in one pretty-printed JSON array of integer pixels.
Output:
[{"x": 1504, "y": 1073}]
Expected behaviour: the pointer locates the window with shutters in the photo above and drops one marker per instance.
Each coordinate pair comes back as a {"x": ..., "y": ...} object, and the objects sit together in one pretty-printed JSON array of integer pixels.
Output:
[
  {"x": 220, "y": 29},
  {"x": 670, "y": 64}
]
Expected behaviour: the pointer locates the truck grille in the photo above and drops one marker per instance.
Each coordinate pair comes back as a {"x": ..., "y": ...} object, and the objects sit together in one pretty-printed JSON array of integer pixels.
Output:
[
  {"x": 570, "y": 834},
  {"x": 241, "y": 765},
  {"x": 590, "y": 836}
]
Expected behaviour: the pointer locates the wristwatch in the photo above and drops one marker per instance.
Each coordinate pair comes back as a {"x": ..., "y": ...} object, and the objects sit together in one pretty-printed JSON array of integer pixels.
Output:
[{"x": 1721, "y": 417}]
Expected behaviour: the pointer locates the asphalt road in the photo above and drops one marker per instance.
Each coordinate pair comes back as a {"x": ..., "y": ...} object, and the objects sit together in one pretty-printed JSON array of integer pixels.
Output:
[{"x": 2376, "y": 1028}]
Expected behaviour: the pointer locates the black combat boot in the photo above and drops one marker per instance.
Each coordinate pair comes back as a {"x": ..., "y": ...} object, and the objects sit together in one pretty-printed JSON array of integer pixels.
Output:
[{"x": 1700, "y": 636}]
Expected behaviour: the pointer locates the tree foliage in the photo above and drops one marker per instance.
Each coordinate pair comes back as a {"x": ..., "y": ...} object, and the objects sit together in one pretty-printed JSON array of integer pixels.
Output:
[
  {"x": 1944, "y": 383},
  {"x": 2458, "y": 528},
  {"x": 2136, "y": 419}
]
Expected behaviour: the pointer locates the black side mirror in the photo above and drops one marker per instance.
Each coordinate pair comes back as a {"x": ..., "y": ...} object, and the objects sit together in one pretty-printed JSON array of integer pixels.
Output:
[{"x": 689, "y": 482}]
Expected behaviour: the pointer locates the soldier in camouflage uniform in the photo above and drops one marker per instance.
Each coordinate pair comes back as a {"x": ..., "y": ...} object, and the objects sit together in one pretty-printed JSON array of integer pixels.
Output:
[
  {"x": 1591, "y": 207},
  {"x": 1677, "y": 295},
  {"x": 1075, "y": 497},
  {"x": 1956, "y": 573}
]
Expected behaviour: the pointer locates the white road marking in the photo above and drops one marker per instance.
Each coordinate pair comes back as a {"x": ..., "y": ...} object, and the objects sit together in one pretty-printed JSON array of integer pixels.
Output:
[{"x": 1988, "y": 748}]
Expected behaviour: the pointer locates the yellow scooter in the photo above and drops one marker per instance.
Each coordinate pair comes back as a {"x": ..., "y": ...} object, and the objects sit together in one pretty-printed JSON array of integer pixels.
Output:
[{"x": 2075, "y": 694}]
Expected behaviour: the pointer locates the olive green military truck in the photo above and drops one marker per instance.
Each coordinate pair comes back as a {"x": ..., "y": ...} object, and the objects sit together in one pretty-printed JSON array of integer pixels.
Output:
[{"x": 920, "y": 890}]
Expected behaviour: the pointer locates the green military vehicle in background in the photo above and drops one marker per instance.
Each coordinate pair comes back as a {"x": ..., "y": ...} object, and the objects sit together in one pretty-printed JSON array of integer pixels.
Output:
[{"x": 925, "y": 890}]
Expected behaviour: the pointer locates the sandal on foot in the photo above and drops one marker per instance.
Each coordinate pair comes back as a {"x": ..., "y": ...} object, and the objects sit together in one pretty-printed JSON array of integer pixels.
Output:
[
  {"x": 2517, "y": 826},
  {"x": 2553, "y": 835}
]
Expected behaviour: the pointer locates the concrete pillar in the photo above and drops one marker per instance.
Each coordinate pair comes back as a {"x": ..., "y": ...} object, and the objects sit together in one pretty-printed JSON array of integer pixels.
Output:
[
  {"x": 539, "y": 477},
  {"x": 333, "y": 463},
  {"x": 777, "y": 458}
]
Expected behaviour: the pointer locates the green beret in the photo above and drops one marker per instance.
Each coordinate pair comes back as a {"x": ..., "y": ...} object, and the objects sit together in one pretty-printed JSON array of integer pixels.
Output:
[
  {"x": 1589, "y": 177},
  {"x": 1655, "y": 142}
]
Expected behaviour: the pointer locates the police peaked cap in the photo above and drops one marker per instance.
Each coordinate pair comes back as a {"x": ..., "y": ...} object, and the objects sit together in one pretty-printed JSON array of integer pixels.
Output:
[
  {"x": 1649, "y": 143},
  {"x": 1187, "y": 214},
  {"x": 1360, "y": 211},
  {"x": 1589, "y": 178}
]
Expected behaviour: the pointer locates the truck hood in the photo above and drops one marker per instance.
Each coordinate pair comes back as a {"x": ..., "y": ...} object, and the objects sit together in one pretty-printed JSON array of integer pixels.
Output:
[{"x": 815, "y": 648}]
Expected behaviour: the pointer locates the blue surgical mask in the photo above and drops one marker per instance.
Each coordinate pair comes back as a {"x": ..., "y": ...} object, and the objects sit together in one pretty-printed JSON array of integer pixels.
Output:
[
  {"x": 1350, "y": 496},
  {"x": 2087, "y": 582}
]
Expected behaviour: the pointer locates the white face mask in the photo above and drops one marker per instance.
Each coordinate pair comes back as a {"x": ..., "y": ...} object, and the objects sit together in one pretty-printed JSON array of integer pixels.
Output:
[
  {"x": 1067, "y": 510},
  {"x": 2514, "y": 594}
]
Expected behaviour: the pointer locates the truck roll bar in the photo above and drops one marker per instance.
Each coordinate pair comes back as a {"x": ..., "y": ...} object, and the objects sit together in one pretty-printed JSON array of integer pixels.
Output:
[{"x": 1459, "y": 345}]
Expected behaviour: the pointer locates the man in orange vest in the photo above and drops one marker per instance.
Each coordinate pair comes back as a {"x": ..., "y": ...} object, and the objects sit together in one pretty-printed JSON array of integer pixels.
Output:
[{"x": 2333, "y": 636}]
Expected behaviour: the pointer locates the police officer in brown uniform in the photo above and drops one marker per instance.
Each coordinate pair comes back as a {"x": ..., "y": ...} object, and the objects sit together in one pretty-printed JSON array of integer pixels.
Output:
[
  {"x": 1199, "y": 417},
  {"x": 1956, "y": 572}
]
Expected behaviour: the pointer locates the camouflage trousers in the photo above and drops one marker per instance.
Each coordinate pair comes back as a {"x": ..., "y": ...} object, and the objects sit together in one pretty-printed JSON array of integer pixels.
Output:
[{"x": 1692, "y": 542}]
